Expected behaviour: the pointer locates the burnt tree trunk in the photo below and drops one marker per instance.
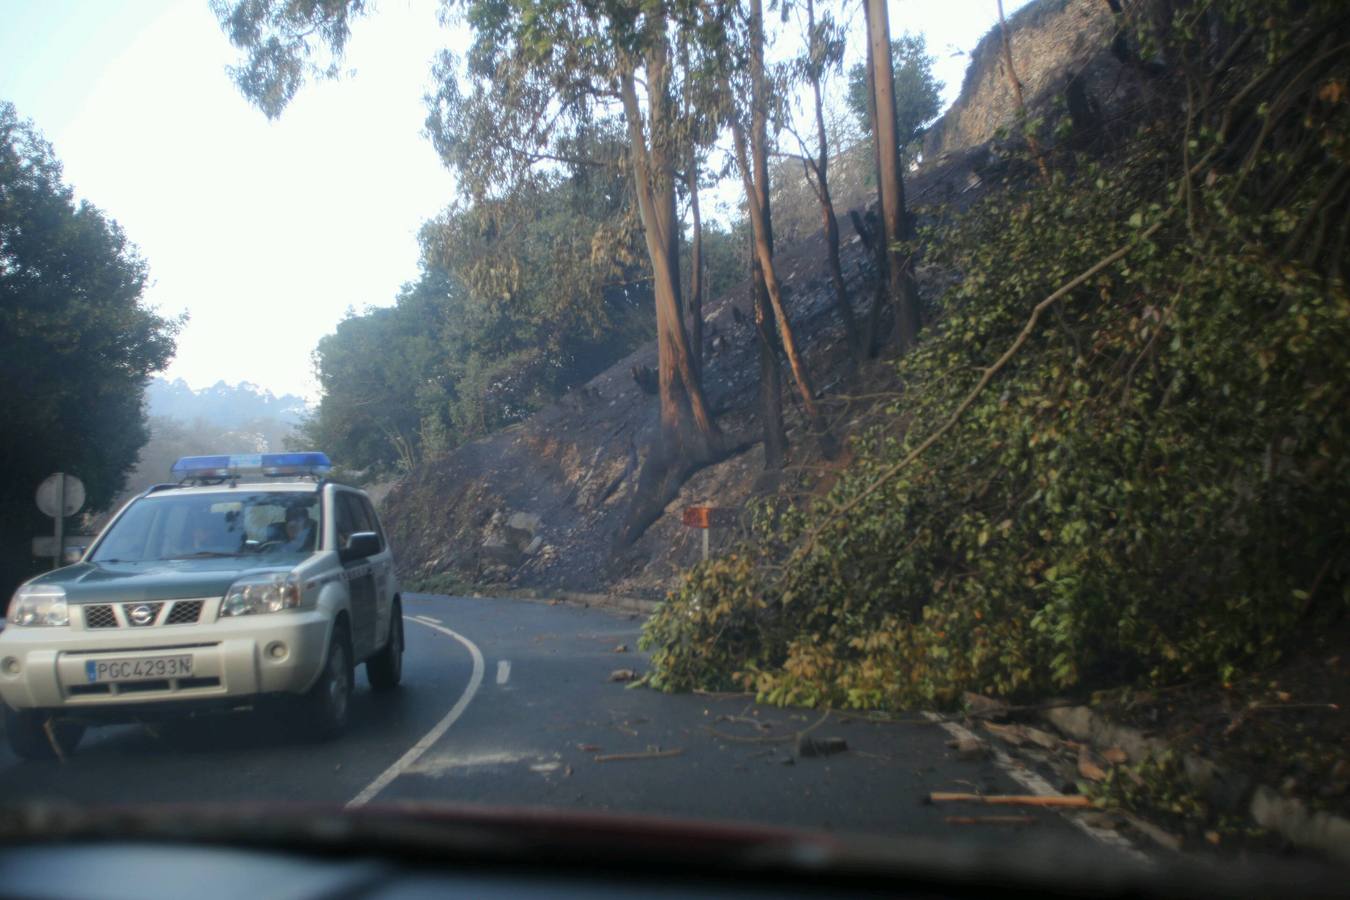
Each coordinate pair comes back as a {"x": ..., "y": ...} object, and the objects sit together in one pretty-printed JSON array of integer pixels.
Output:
[
  {"x": 821, "y": 167},
  {"x": 760, "y": 225},
  {"x": 696, "y": 244},
  {"x": 1032, "y": 144},
  {"x": 695, "y": 268}
]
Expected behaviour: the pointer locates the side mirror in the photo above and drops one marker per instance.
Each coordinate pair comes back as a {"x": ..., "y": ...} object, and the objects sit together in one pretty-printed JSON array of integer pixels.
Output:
[
  {"x": 360, "y": 545},
  {"x": 72, "y": 555}
]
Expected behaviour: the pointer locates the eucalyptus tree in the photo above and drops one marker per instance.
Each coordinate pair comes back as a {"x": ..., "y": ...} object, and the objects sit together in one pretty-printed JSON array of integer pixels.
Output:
[
  {"x": 536, "y": 77},
  {"x": 739, "y": 44},
  {"x": 896, "y": 226},
  {"x": 823, "y": 54}
]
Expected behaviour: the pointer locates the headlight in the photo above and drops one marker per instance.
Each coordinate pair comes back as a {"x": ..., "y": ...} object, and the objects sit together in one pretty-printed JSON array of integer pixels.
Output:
[
  {"x": 271, "y": 592},
  {"x": 39, "y": 604}
]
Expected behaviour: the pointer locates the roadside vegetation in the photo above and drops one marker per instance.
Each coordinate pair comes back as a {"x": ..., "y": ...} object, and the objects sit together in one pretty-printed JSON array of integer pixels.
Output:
[
  {"x": 1120, "y": 452},
  {"x": 78, "y": 342}
]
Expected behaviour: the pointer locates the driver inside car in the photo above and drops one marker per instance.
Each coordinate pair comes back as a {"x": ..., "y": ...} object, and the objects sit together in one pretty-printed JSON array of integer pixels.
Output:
[{"x": 299, "y": 531}]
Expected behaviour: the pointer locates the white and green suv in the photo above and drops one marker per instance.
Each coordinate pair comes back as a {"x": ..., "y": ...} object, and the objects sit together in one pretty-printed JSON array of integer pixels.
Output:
[{"x": 251, "y": 576}]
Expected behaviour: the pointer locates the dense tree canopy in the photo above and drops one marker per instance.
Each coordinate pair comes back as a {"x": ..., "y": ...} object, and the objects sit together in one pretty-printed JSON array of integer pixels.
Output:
[{"x": 78, "y": 341}]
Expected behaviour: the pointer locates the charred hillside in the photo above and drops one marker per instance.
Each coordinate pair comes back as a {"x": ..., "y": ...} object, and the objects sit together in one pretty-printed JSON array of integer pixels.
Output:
[{"x": 538, "y": 505}]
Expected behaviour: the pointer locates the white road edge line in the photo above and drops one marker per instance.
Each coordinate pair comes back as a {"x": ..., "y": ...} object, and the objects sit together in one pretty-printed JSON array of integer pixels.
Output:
[
  {"x": 503, "y": 671},
  {"x": 432, "y": 736},
  {"x": 1042, "y": 788}
]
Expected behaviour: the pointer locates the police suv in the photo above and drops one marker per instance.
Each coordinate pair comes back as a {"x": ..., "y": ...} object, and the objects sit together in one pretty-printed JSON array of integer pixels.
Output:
[{"x": 249, "y": 576}]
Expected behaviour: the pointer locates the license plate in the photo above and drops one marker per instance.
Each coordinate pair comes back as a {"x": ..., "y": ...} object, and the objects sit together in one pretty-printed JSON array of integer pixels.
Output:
[{"x": 144, "y": 668}]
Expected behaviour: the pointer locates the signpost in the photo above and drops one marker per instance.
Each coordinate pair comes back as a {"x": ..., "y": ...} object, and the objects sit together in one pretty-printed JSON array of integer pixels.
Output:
[
  {"x": 60, "y": 495},
  {"x": 707, "y": 518}
]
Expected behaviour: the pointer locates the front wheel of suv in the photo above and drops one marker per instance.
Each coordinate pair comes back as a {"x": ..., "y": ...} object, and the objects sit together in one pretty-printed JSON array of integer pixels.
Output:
[
  {"x": 328, "y": 703},
  {"x": 34, "y": 734},
  {"x": 384, "y": 670}
]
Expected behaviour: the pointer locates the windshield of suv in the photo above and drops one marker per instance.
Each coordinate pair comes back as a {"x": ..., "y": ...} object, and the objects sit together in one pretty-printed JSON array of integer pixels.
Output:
[{"x": 205, "y": 525}]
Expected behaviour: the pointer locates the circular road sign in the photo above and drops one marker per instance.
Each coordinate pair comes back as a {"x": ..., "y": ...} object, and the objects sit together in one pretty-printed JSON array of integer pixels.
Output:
[{"x": 49, "y": 493}]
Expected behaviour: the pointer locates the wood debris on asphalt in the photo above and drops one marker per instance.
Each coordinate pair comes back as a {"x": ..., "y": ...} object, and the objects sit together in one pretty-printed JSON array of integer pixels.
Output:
[
  {"x": 1065, "y": 801},
  {"x": 1020, "y": 735},
  {"x": 623, "y": 675},
  {"x": 646, "y": 754},
  {"x": 969, "y": 748},
  {"x": 991, "y": 820},
  {"x": 809, "y": 746},
  {"x": 1088, "y": 766}
]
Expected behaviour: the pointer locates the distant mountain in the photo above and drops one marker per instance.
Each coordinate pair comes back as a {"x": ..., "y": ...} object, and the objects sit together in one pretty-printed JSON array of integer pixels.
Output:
[{"x": 223, "y": 405}]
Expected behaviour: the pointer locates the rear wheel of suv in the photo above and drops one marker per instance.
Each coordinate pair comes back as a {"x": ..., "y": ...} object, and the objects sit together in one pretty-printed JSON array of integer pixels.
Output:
[
  {"x": 28, "y": 734},
  {"x": 328, "y": 702},
  {"x": 384, "y": 670}
]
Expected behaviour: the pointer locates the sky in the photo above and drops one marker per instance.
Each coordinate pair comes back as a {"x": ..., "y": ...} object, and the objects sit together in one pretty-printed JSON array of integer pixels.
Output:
[{"x": 267, "y": 233}]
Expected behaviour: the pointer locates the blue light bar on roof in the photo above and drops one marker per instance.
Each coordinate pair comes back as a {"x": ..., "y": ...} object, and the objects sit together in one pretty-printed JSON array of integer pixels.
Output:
[{"x": 270, "y": 465}]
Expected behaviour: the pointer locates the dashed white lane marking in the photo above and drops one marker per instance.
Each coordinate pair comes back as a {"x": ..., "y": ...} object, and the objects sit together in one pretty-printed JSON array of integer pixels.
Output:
[
  {"x": 503, "y": 671},
  {"x": 1039, "y": 786},
  {"x": 432, "y": 736}
]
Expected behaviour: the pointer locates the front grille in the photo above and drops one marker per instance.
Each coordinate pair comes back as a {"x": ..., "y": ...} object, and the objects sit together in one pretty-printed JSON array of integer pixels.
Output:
[
  {"x": 99, "y": 616},
  {"x": 141, "y": 687},
  {"x": 140, "y": 615},
  {"x": 80, "y": 690},
  {"x": 184, "y": 612}
]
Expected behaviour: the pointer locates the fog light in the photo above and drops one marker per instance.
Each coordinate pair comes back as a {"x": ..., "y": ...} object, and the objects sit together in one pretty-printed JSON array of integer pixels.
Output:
[
  {"x": 10, "y": 666},
  {"x": 276, "y": 651}
]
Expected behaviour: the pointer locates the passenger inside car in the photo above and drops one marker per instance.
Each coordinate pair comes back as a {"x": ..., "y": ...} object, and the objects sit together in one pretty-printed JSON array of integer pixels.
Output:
[{"x": 299, "y": 531}]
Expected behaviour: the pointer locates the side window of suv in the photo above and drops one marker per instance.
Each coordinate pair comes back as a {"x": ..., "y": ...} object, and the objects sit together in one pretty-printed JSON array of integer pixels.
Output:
[
  {"x": 350, "y": 517},
  {"x": 372, "y": 519}
]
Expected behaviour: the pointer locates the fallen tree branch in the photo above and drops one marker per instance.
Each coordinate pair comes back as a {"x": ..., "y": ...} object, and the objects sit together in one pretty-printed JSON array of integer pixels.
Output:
[
  {"x": 1063, "y": 801},
  {"x": 1105, "y": 262}
]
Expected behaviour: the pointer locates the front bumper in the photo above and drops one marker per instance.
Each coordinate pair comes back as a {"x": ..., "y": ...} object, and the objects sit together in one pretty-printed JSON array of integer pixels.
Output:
[{"x": 46, "y": 668}]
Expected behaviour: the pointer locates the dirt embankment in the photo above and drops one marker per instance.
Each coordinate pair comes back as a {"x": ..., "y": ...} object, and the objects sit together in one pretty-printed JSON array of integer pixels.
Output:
[{"x": 537, "y": 505}]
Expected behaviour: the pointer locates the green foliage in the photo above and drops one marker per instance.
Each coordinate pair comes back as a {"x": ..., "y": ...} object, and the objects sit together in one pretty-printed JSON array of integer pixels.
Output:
[
  {"x": 917, "y": 92},
  {"x": 1157, "y": 786},
  {"x": 283, "y": 41},
  {"x": 78, "y": 344},
  {"x": 1149, "y": 490}
]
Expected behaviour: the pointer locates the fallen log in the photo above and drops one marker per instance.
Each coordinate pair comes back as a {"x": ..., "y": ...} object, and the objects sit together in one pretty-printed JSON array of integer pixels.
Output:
[{"x": 1064, "y": 801}]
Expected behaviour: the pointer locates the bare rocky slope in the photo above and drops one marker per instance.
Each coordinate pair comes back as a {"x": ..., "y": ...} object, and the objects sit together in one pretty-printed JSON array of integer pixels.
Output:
[{"x": 537, "y": 505}]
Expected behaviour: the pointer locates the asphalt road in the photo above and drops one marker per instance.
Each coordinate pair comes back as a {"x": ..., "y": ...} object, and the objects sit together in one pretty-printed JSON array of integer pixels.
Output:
[{"x": 510, "y": 703}]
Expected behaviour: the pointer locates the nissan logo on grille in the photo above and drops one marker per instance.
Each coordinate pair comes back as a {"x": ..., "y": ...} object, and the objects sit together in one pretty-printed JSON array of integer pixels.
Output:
[{"x": 142, "y": 614}]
